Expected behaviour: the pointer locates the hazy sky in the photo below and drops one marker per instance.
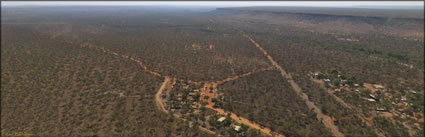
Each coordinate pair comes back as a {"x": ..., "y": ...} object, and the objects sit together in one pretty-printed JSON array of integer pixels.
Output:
[{"x": 223, "y": 3}]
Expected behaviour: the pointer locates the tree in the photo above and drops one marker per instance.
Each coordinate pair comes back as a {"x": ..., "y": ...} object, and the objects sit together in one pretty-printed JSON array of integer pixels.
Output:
[
  {"x": 226, "y": 122},
  {"x": 196, "y": 97},
  {"x": 214, "y": 100},
  {"x": 251, "y": 116},
  {"x": 336, "y": 82},
  {"x": 253, "y": 133},
  {"x": 321, "y": 76}
]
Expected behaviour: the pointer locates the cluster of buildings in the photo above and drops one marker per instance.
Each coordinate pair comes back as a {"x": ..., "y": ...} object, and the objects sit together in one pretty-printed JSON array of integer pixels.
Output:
[
  {"x": 182, "y": 96},
  {"x": 185, "y": 99},
  {"x": 378, "y": 95}
]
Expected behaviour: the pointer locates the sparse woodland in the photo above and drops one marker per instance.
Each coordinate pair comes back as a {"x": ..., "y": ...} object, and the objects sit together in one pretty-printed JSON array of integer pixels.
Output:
[
  {"x": 51, "y": 85},
  {"x": 50, "y": 88},
  {"x": 269, "y": 100}
]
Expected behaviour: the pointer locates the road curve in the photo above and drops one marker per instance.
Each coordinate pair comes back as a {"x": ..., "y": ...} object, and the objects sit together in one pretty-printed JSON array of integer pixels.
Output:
[{"x": 158, "y": 94}]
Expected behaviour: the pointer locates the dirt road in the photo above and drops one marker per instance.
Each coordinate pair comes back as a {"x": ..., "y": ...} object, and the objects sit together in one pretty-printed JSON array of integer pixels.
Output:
[
  {"x": 158, "y": 94},
  {"x": 326, "y": 120},
  {"x": 247, "y": 122},
  {"x": 166, "y": 86},
  {"x": 139, "y": 62},
  {"x": 209, "y": 86},
  {"x": 210, "y": 90},
  {"x": 359, "y": 115},
  {"x": 322, "y": 85},
  {"x": 243, "y": 75}
]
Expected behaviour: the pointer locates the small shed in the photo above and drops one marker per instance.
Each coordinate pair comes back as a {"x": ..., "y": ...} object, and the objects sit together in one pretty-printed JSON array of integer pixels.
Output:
[
  {"x": 403, "y": 98},
  {"x": 381, "y": 109},
  {"x": 371, "y": 100},
  {"x": 237, "y": 128},
  {"x": 372, "y": 96},
  {"x": 378, "y": 86},
  {"x": 221, "y": 119}
]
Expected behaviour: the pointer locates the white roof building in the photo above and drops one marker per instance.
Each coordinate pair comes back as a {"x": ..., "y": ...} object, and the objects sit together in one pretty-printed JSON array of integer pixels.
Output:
[
  {"x": 221, "y": 119},
  {"x": 403, "y": 98},
  {"x": 372, "y": 96},
  {"x": 237, "y": 128},
  {"x": 378, "y": 86},
  {"x": 371, "y": 100},
  {"x": 380, "y": 109}
]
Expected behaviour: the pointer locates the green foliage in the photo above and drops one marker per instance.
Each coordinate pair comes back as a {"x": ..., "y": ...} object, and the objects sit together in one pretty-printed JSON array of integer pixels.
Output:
[
  {"x": 351, "y": 126},
  {"x": 336, "y": 82},
  {"x": 264, "y": 98},
  {"x": 390, "y": 128},
  {"x": 417, "y": 101},
  {"x": 51, "y": 86},
  {"x": 54, "y": 88},
  {"x": 196, "y": 96}
]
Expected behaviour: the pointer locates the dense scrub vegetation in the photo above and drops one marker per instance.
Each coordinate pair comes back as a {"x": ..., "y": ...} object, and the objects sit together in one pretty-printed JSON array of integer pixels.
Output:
[
  {"x": 268, "y": 99},
  {"x": 51, "y": 88},
  {"x": 299, "y": 55},
  {"x": 194, "y": 55},
  {"x": 171, "y": 45},
  {"x": 347, "y": 12},
  {"x": 346, "y": 119},
  {"x": 366, "y": 52},
  {"x": 303, "y": 45}
]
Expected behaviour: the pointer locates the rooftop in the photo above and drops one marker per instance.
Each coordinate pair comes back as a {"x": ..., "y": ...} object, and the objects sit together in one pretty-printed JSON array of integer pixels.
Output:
[
  {"x": 221, "y": 119},
  {"x": 237, "y": 128}
]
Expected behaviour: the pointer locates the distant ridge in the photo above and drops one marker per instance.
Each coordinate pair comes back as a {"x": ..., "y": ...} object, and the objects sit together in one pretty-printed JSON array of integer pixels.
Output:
[{"x": 412, "y": 13}]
